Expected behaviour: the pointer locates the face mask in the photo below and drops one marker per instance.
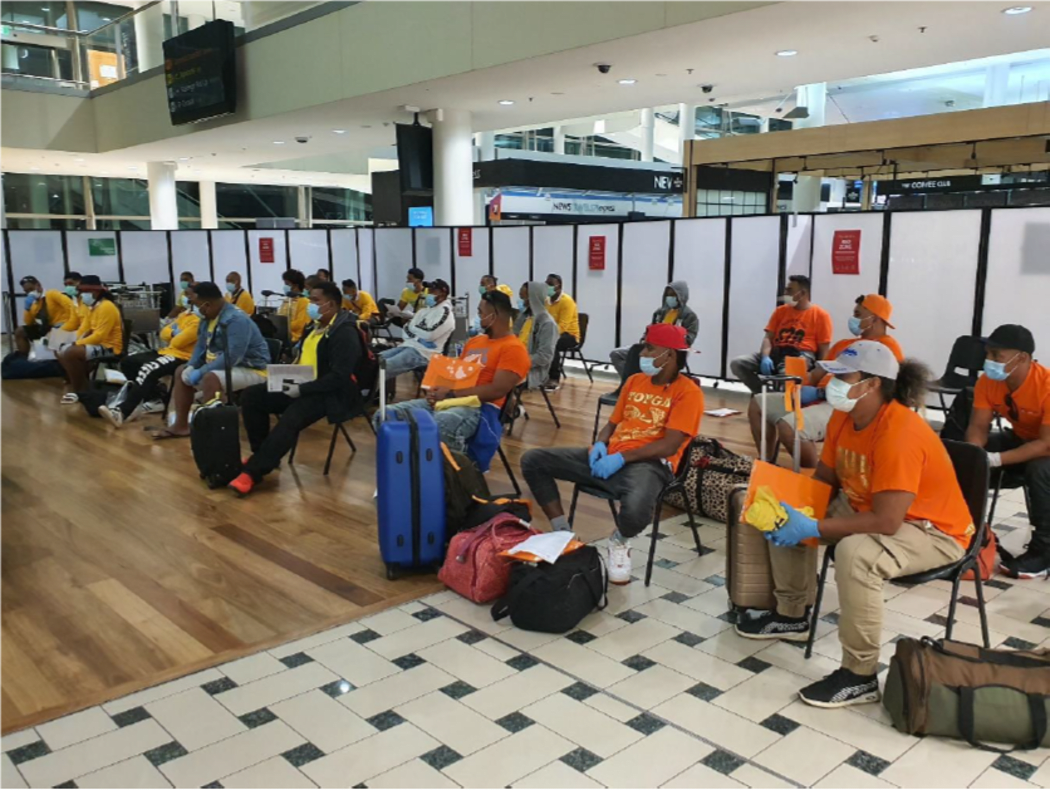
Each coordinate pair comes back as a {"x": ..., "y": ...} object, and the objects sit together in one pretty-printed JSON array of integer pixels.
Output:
[
  {"x": 431, "y": 300},
  {"x": 351, "y": 297},
  {"x": 648, "y": 365},
  {"x": 521, "y": 305},
  {"x": 551, "y": 290},
  {"x": 314, "y": 311},
  {"x": 787, "y": 299},
  {"x": 197, "y": 311},
  {"x": 837, "y": 393},
  {"x": 71, "y": 291},
  {"x": 482, "y": 290},
  {"x": 854, "y": 326},
  {"x": 996, "y": 371},
  {"x": 287, "y": 290},
  {"x": 231, "y": 287},
  {"x": 88, "y": 298},
  {"x": 671, "y": 302},
  {"x": 184, "y": 284}
]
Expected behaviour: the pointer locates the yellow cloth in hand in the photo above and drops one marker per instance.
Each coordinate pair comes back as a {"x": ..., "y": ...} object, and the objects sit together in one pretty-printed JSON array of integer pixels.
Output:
[
  {"x": 470, "y": 402},
  {"x": 766, "y": 513}
]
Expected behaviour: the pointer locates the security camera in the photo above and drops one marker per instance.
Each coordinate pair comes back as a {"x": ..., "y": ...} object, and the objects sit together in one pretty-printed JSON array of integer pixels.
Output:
[
  {"x": 707, "y": 88},
  {"x": 302, "y": 140},
  {"x": 603, "y": 68}
]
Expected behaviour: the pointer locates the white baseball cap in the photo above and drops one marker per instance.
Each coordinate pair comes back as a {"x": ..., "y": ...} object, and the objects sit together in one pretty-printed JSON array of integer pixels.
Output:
[{"x": 864, "y": 356}]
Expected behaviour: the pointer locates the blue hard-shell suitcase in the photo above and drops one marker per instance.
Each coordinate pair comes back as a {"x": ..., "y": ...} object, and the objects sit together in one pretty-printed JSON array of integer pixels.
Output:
[{"x": 411, "y": 492}]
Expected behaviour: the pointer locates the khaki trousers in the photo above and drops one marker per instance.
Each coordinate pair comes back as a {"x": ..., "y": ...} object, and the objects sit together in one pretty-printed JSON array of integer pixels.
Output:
[{"x": 862, "y": 564}]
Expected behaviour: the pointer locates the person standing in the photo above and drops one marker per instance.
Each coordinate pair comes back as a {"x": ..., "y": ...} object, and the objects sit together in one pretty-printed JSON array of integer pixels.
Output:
[{"x": 563, "y": 310}]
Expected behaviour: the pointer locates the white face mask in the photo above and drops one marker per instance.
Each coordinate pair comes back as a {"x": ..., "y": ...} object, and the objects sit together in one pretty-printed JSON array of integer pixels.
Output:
[{"x": 837, "y": 394}]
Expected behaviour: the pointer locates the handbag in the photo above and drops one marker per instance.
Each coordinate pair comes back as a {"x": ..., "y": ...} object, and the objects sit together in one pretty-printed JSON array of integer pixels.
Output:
[
  {"x": 554, "y": 598},
  {"x": 473, "y": 567},
  {"x": 713, "y": 473}
]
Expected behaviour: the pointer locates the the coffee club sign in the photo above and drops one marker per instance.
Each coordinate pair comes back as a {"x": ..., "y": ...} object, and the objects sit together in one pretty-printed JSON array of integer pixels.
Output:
[{"x": 922, "y": 186}]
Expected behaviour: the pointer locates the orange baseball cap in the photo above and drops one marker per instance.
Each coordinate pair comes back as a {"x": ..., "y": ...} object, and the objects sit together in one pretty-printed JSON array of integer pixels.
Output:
[{"x": 879, "y": 306}]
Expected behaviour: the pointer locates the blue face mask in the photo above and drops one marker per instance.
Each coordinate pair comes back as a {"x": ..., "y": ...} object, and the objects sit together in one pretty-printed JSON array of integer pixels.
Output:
[
  {"x": 88, "y": 298},
  {"x": 197, "y": 311},
  {"x": 314, "y": 311},
  {"x": 231, "y": 287},
  {"x": 71, "y": 291},
  {"x": 551, "y": 290},
  {"x": 996, "y": 371},
  {"x": 671, "y": 302},
  {"x": 482, "y": 290},
  {"x": 521, "y": 305},
  {"x": 431, "y": 300},
  {"x": 287, "y": 290},
  {"x": 854, "y": 326},
  {"x": 648, "y": 365}
]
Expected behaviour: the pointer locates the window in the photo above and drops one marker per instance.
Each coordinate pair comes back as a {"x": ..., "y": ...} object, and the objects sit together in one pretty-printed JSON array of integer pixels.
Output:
[
  {"x": 127, "y": 197},
  {"x": 27, "y": 193},
  {"x": 249, "y": 201},
  {"x": 331, "y": 204}
]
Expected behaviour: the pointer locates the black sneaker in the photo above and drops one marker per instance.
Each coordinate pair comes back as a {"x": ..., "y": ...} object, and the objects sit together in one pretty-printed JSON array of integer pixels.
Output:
[
  {"x": 1033, "y": 564},
  {"x": 774, "y": 626},
  {"x": 841, "y": 688}
]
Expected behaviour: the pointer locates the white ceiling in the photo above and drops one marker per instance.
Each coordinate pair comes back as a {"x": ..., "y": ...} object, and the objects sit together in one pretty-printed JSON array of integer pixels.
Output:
[{"x": 735, "y": 53}]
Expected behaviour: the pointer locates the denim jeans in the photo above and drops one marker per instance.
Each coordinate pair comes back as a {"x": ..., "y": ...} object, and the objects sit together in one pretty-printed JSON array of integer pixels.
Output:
[
  {"x": 402, "y": 359},
  {"x": 457, "y": 426}
]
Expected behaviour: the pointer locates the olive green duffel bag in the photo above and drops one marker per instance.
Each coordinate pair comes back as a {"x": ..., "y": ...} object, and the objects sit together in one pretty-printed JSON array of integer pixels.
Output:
[{"x": 938, "y": 687}]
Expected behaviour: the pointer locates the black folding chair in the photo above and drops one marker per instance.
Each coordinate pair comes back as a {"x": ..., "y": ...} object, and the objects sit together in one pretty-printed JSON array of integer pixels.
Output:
[
  {"x": 274, "y": 345},
  {"x": 631, "y": 366},
  {"x": 114, "y": 360},
  {"x": 972, "y": 472},
  {"x": 1008, "y": 478},
  {"x": 967, "y": 355},
  {"x": 576, "y": 351},
  {"x": 518, "y": 395},
  {"x": 506, "y": 422}
]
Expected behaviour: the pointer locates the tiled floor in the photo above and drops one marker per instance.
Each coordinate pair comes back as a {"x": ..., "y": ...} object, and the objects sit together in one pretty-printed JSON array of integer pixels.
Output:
[{"x": 655, "y": 691}]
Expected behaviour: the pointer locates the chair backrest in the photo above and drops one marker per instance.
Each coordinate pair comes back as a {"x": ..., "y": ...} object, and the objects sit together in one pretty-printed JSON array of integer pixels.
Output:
[
  {"x": 583, "y": 320},
  {"x": 973, "y": 471},
  {"x": 968, "y": 354},
  {"x": 274, "y": 345}
]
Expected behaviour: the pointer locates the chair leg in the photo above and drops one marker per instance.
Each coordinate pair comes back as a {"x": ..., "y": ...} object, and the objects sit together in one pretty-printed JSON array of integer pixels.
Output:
[
  {"x": 995, "y": 498},
  {"x": 815, "y": 617},
  {"x": 696, "y": 533},
  {"x": 586, "y": 367},
  {"x": 550, "y": 408},
  {"x": 349, "y": 441},
  {"x": 370, "y": 425},
  {"x": 597, "y": 417},
  {"x": 510, "y": 472},
  {"x": 652, "y": 544},
  {"x": 572, "y": 507},
  {"x": 295, "y": 446},
  {"x": 331, "y": 450},
  {"x": 979, "y": 588},
  {"x": 953, "y": 601}
]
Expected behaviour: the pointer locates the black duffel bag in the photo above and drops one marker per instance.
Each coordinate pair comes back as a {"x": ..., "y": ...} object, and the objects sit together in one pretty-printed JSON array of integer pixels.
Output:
[{"x": 554, "y": 598}]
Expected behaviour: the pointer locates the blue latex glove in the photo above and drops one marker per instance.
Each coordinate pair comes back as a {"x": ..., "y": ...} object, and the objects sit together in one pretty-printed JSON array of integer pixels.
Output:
[
  {"x": 606, "y": 467},
  {"x": 811, "y": 395},
  {"x": 30, "y": 299},
  {"x": 175, "y": 330},
  {"x": 797, "y": 528},
  {"x": 194, "y": 377},
  {"x": 598, "y": 450},
  {"x": 428, "y": 344},
  {"x": 767, "y": 368}
]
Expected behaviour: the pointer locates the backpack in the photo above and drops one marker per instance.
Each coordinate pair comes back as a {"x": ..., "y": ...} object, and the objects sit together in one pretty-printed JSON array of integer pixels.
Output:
[
  {"x": 464, "y": 485},
  {"x": 366, "y": 371},
  {"x": 713, "y": 473},
  {"x": 473, "y": 567},
  {"x": 554, "y": 598}
]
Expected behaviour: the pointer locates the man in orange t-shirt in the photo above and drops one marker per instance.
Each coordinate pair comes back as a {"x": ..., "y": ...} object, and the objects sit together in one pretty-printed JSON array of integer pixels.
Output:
[
  {"x": 1017, "y": 387},
  {"x": 901, "y": 511},
  {"x": 798, "y": 328},
  {"x": 637, "y": 452}
]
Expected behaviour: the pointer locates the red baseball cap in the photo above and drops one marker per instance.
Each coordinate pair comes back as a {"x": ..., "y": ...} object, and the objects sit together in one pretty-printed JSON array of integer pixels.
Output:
[{"x": 667, "y": 336}]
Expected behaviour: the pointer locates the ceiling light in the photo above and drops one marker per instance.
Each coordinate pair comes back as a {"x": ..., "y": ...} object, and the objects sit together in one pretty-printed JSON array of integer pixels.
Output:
[
  {"x": 627, "y": 81},
  {"x": 1017, "y": 9},
  {"x": 557, "y": 93},
  {"x": 506, "y": 102},
  {"x": 34, "y": 169},
  {"x": 79, "y": 159},
  {"x": 787, "y": 53},
  {"x": 278, "y": 142},
  {"x": 184, "y": 159},
  {"x": 339, "y": 131}
]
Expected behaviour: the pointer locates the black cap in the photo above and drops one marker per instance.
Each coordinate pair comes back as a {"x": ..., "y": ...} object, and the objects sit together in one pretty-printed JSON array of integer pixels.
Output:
[
  {"x": 90, "y": 280},
  {"x": 439, "y": 285},
  {"x": 1012, "y": 336}
]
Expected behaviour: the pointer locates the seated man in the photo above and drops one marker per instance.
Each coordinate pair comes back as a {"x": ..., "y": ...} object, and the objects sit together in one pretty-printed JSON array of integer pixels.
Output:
[
  {"x": 324, "y": 275},
  {"x": 900, "y": 511},
  {"x": 333, "y": 349},
  {"x": 1017, "y": 387},
  {"x": 145, "y": 370},
  {"x": 222, "y": 325},
  {"x": 563, "y": 309},
  {"x": 870, "y": 320},
  {"x": 359, "y": 302},
  {"x": 237, "y": 296},
  {"x": 179, "y": 300},
  {"x": 98, "y": 334},
  {"x": 410, "y": 299},
  {"x": 506, "y": 364},
  {"x": 425, "y": 335},
  {"x": 44, "y": 310},
  {"x": 798, "y": 328},
  {"x": 536, "y": 328},
  {"x": 675, "y": 311},
  {"x": 638, "y": 450},
  {"x": 490, "y": 282},
  {"x": 294, "y": 304},
  {"x": 80, "y": 311}
]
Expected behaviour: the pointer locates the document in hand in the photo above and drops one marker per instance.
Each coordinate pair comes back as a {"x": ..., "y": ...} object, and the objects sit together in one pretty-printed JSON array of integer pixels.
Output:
[
  {"x": 279, "y": 375},
  {"x": 452, "y": 372},
  {"x": 797, "y": 490}
]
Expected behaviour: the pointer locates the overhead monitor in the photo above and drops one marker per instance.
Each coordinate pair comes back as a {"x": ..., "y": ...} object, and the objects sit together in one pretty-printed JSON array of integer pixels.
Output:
[
  {"x": 200, "y": 73},
  {"x": 421, "y": 217},
  {"x": 415, "y": 159}
]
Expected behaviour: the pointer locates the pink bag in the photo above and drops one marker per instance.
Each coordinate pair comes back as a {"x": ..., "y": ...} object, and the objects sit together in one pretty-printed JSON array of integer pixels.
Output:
[{"x": 473, "y": 567}]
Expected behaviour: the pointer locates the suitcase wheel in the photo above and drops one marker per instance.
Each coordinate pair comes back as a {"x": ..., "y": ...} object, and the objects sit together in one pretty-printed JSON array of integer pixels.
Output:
[{"x": 391, "y": 571}]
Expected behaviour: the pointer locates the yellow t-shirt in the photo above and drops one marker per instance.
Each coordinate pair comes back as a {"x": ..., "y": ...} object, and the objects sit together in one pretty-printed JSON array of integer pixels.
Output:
[
  {"x": 243, "y": 301},
  {"x": 564, "y": 312},
  {"x": 409, "y": 296},
  {"x": 671, "y": 317},
  {"x": 181, "y": 345},
  {"x": 209, "y": 355},
  {"x": 308, "y": 354},
  {"x": 526, "y": 331},
  {"x": 295, "y": 309},
  {"x": 364, "y": 306}
]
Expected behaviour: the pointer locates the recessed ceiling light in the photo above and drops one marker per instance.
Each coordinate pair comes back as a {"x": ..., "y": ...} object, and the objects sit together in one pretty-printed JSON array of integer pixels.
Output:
[
  {"x": 34, "y": 168},
  {"x": 627, "y": 81},
  {"x": 339, "y": 131},
  {"x": 1017, "y": 9},
  {"x": 184, "y": 159},
  {"x": 278, "y": 142},
  {"x": 787, "y": 53},
  {"x": 557, "y": 93},
  {"x": 506, "y": 102}
]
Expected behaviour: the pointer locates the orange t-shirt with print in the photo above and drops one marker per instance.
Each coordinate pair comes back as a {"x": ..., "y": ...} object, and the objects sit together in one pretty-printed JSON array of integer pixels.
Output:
[
  {"x": 645, "y": 411},
  {"x": 802, "y": 330},
  {"x": 507, "y": 353},
  {"x": 842, "y": 345},
  {"x": 1031, "y": 401},
  {"x": 898, "y": 451}
]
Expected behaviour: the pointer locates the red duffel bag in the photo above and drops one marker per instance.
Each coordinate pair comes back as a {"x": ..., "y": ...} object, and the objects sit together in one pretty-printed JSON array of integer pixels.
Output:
[{"x": 473, "y": 567}]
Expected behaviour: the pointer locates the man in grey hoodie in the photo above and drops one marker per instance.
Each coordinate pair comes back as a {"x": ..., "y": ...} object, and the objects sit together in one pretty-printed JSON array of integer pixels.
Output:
[
  {"x": 675, "y": 310},
  {"x": 536, "y": 328}
]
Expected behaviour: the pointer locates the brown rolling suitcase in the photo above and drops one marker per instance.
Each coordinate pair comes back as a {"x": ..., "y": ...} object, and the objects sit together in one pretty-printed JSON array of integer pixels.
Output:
[{"x": 749, "y": 580}]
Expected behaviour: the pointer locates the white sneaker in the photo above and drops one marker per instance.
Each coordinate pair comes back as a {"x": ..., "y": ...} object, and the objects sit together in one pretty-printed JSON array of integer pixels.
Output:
[
  {"x": 619, "y": 562},
  {"x": 115, "y": 416},
  {"x": 152, "y": 407}
]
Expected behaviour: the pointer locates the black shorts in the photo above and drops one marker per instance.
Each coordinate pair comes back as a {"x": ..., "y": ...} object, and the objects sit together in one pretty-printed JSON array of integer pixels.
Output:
[{"x": 36, "y": 331}]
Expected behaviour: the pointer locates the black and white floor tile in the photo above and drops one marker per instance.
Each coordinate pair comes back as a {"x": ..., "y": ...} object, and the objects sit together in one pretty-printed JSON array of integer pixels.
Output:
[{"x": 655, "y": 691}]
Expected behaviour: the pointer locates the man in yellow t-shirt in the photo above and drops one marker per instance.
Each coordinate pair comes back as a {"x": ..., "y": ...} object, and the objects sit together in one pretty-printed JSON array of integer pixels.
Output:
[
  {"x": 359, "y": 302},
  {"x": 563, "y": 310},
  {"x": 98, "y": 335},
  {"x": 43, "y": 310},
  {"x": 237, "y": 295},
  {"x": 411, "y": 297}
]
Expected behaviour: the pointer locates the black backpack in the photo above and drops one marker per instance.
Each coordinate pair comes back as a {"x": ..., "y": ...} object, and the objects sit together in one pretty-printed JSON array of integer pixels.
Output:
[
  {"x": 554, "y": 598},
  {"x": 464, "y": 486},
  {"x": 366, "y": 371}
]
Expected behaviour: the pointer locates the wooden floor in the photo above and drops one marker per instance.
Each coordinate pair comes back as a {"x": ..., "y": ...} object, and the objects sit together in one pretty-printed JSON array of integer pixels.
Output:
[{"x": 120, "y": 569}]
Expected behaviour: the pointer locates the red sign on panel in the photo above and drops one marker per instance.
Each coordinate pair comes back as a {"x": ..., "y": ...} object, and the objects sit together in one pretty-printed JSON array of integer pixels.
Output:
[
  {"x": 596, "y": 260},
  {"x": 266, "y": 250},
  {"x": 845, "y": 252},
  {"x": 466, "y": 242}
]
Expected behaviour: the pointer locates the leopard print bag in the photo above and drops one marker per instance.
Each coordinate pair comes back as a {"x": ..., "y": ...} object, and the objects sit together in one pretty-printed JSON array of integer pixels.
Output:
[{"x": 713, "y": 473}]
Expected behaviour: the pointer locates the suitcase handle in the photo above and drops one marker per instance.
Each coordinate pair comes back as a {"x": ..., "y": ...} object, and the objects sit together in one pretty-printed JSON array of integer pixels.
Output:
[{"x": 1036, "y": 709}]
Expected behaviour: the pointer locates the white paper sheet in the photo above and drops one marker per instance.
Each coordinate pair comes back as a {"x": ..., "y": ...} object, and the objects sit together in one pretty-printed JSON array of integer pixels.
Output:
[
  {"x": 279, "y": 375},
  {"x": 721, "y": 412},
  {"x": 547, "y": 546}
]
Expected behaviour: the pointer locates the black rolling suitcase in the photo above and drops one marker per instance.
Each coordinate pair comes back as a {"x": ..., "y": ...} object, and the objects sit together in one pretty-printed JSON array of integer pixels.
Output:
[{"x": 215, "y": 435}]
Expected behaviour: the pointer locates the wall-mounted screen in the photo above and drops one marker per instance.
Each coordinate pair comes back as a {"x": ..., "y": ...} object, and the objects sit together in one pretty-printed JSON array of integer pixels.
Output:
[{"x": 200, "y": 73}]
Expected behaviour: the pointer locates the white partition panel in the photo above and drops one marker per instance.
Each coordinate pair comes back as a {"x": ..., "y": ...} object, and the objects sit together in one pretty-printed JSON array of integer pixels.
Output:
[
  {"x": 309, "y": 250},
  {"x": 646, "y": 249},
  {"x": 932, "y": 277},
  {"x": 837, "y": 293},
  {"x": 393, "y": 260},
  {"x": 267, "y": 276},
  {"x": 469, "y": 268},
  {"x": 799, "y": 244},
  {"x": 510, "y": 257},
  {"x": 39, "y": 253},
  {"x": 189, "y": 253},
  {"x": 227, "y": 250},
  {"x": 145, "y": 255},
  {"x": 754, "y": 265},
  {"x": 700, "y": 260},
  {"x": 82, "y": 260},
  {"x": 344, "y": 256},
  {"x": 596, "y": 290},
  {"x": 1017, "y": 290},
  {"x": 551, "y": 252},
  {"x": 434, "y": 254},
  {"x": 366, "y": 259}
]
